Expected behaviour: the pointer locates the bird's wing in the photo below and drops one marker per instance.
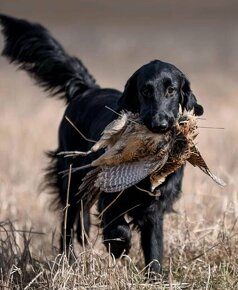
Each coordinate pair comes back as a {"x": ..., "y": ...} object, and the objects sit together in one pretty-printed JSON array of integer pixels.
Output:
[
  {"x": 196, "y": 160},
  {"x": 116, "y": 125},
  {"x": 88, "y": 193},
  {"x": 112, "y": 132},
  {"x": 119, "y": 177}
]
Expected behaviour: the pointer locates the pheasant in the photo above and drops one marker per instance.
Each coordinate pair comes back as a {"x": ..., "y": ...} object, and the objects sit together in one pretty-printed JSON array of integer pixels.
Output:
[{"x": 133, "y": 152}]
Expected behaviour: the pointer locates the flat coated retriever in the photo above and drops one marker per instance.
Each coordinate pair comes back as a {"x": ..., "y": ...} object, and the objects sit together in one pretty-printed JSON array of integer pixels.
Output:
[{"x": 155, "y": 91}]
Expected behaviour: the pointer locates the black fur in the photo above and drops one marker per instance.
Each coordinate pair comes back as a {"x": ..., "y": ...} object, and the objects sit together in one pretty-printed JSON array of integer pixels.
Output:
[
  {"x": 155, "y": 91},
  {"x": 32, "y": 48}
]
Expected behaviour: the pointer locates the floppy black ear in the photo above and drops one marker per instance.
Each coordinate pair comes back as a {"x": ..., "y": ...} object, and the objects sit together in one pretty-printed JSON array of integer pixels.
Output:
[
  {"x": 188, "y": 100},
  {"x": 129, "y": 99}
]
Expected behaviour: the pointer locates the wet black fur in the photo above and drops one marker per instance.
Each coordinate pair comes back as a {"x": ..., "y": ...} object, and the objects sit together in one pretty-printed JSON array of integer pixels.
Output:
[{"x": 155, "y": 91}]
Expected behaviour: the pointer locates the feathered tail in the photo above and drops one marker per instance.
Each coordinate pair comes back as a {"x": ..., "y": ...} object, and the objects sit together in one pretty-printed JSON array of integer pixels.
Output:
[{"x": 34, "y": 50}]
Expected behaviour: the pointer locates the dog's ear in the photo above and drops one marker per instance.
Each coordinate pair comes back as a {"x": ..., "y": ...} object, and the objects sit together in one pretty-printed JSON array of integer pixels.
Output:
[
  {"x": 129, "y": 99},
  {"x": 188, "y": 100}
]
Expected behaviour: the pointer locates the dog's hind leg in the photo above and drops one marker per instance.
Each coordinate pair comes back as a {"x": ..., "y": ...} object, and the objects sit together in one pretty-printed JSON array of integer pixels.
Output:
[
  {"x": 83, "y": 227},
  {"x": 116, "y": 231}
]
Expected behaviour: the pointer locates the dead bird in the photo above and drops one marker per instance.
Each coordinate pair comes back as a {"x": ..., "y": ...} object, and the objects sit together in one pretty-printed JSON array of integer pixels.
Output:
[{"x": 133, "y": 152}]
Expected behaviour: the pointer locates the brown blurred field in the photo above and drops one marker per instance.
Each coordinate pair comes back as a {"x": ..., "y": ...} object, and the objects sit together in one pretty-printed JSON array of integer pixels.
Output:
[{"x": 113, "y": 39}]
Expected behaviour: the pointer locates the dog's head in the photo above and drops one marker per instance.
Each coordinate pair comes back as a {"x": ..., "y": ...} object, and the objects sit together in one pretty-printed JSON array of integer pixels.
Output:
[{"x": 155, "y": 91}]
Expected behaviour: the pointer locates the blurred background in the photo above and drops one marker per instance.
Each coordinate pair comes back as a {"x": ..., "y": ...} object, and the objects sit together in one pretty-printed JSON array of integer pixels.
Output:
[{"x": 113, "y": 39}]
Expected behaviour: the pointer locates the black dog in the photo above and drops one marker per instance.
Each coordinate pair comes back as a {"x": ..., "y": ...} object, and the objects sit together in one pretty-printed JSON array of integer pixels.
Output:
[{"x": 155, "y": 91}]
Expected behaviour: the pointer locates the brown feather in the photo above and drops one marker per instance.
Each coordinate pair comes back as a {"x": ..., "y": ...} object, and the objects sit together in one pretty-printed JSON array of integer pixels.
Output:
[
  {"x": 196, "y": 160},
  {"x": 133, "y": 152}
]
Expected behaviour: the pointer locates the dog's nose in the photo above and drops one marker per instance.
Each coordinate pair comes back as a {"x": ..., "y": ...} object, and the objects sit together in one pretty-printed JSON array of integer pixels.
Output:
[{"x": 160, "y": 127}]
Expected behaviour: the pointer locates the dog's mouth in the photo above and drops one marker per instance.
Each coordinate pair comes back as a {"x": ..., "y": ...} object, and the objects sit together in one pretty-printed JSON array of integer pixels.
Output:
[{"x": 160, "y": 130}]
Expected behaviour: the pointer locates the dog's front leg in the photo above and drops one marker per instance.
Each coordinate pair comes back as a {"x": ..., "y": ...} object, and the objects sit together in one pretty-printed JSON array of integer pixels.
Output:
[{"x": 152, "y": 238}]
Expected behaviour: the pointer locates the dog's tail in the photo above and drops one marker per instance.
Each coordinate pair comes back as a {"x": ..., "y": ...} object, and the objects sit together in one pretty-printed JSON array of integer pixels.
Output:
[{"x": 34, "y": 50}]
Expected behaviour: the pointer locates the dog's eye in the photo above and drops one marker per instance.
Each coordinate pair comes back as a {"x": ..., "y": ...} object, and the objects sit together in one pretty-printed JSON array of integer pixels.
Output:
[
  {"x": 147, "y": 91},
  {"x": 170, "y": 90}
]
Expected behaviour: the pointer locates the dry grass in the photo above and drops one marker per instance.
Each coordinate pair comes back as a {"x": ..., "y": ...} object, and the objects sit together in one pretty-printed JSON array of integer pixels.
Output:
[
  {"x": 201, "y": 259},
  {"x": 201, "y": 240},
  {"x": 201, "y": 243}
]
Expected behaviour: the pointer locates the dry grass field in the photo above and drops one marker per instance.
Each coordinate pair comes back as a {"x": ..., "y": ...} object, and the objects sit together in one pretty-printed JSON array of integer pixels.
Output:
[{"x": 113, "y": 39}]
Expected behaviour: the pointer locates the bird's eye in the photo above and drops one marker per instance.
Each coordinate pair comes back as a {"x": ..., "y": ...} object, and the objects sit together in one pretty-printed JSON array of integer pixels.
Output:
[{"x": 170, "y": 90}]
